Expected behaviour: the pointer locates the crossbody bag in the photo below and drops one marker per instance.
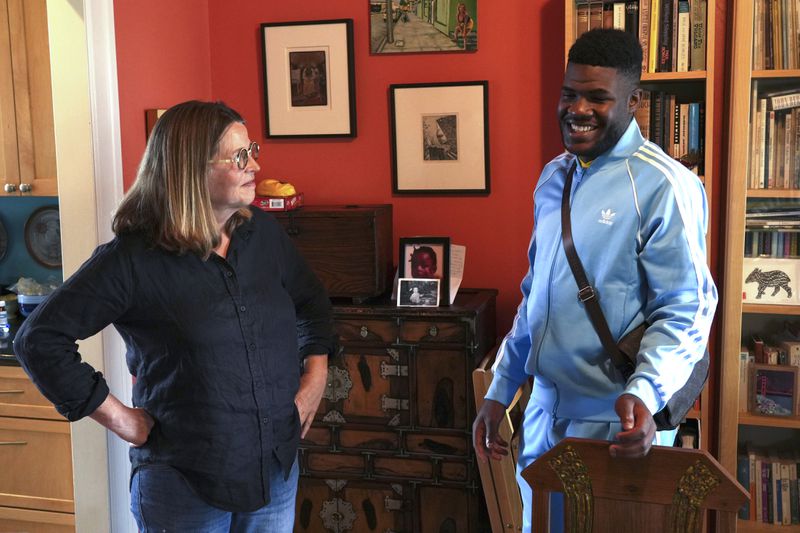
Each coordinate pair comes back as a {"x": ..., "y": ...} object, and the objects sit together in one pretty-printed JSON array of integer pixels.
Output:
[{"x": 623, "y": 352}]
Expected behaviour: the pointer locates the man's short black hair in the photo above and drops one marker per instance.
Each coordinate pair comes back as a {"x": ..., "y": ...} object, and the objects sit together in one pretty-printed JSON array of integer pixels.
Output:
[{"x": 609, "y": 48}]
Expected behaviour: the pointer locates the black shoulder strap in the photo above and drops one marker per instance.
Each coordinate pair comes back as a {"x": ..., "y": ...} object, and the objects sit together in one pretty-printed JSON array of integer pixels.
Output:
[{"x": 586, "y": 293}]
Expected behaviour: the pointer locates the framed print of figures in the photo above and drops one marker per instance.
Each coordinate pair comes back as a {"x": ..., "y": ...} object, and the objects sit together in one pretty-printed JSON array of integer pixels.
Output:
[
  {"x": 426, "y": 258},
  {"x": 309, "y": 78},
  {"x": 423, "y": 26},
  {"x": 440, "y": 138}
]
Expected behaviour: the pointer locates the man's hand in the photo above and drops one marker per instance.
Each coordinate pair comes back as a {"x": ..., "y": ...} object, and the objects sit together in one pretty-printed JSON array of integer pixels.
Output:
[
  {"x": 131, "y": 424},
  {"x": 638, "y": 428},
  {"x": 312, "y": 386},
  {"x": 485, "y": 437}
]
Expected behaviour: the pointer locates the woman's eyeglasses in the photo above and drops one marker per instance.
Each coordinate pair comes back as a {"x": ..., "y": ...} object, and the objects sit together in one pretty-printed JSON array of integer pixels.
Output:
[{"x": 242, "y": 157}]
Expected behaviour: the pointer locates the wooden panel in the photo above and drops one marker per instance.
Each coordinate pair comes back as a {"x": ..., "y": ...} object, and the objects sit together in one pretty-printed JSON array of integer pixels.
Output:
[
  {"x": 454, "y": 471},
  {"x": 436, "y": 444},
  {"x": 37, "y": 464},
  {"x": 317, "y": 436},
  {"x": 403, "y": 468},
  {"x": 447, "y": 510},
  {"x": 335, "y": 464},
  {"x": 367, "y": 331},
  {"x": 361, "y": 439},
  {"x": 433, "y": 331},
  {"x": 23, "y": 520},
  {"x": 9, "y": 160},
  {"x": 443, "y": 400},
  {"x": 351, "y": 505},
  {"x": 20, "y": 398}
]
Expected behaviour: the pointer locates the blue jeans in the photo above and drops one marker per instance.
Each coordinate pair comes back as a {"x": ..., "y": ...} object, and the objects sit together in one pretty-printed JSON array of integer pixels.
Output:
[{"x": 162, "y": 501}]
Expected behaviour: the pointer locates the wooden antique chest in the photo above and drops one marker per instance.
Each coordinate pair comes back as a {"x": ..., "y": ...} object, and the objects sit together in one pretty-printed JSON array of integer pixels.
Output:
[
  {"x": 390, "y": 449},
  {"x": 349, "y": 247}
]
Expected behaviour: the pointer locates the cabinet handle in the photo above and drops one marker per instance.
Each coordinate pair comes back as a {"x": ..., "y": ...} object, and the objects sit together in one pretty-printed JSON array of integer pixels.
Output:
[
  {"x": 13, "y": 443},
  {"x": 12, "y": 391},
  {"x": 25, "y": 187},
  {"x": 364, "y": 332},
  {"x": 433, "y": 331},
  {"x": 10, "y": 187}
]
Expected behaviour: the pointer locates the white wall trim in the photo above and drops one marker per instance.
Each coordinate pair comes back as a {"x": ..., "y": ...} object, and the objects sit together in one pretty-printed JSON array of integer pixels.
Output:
[{"x": 104, "y": 101}]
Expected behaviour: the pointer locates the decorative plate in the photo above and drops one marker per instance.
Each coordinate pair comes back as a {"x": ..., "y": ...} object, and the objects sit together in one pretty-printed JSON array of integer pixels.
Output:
[
  {"x": 43, "y": 236},
  {"x": 3, "y": 241}
]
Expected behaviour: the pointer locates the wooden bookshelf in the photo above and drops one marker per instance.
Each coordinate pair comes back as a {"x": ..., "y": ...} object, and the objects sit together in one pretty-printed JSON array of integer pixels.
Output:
[
  {"x": 699, "y": 83},
  {"x": 739, "y": 321}
]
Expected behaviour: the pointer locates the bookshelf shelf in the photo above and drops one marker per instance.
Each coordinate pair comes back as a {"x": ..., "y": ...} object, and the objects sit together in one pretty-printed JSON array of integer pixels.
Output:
[
  {"x": 747, "y": 419},
  {"x": 767, "y": 309},
  {"x": 695, "y": 75},
  {"x": 749, "y": 526},
  {"x": 773, "y": 193},
  {"x": 775, "y": 74}
]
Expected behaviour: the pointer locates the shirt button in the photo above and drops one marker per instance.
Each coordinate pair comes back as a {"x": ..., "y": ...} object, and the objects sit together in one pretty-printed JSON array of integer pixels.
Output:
[
  {"x": 242, "y": 309},
  {"x": 228, "y": 273},
  {"x": 251, "y": 347},
  {"x": 265, "y": 420}
]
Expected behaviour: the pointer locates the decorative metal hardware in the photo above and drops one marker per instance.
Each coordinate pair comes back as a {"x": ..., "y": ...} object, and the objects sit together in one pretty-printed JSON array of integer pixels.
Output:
[
  {"x": 336, "y": 484},
  {"x": 392, "y": 505},
  {"x": 337, "y": 515},
  {"x": 394, "y": 421},
  {"x": 393, "y": 370},
  {"x": 393, "y": 404},
  {"x": 695, "y": 484},
  {"x": 433, "y": 331},
  {"x": 10, "y": 187},
  {"x": 334, "y": 417},
  {"x": 338, "y": 385},
  {"x": 364, "y": 332},
  {"x": 394, "y": 354}
]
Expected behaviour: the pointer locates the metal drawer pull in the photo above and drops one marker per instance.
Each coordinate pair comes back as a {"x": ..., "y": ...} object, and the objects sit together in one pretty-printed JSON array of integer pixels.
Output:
[
  {"x": 13, "y": 443},
  {"x": 388, "y": 369},
  {"x": 393, "y": 404},
  {"x": 364, "y": 332},
  {"x": 393, "y": 505},
  {"x": 433, "y": 331},
  {"x": 12, "y": 391}
]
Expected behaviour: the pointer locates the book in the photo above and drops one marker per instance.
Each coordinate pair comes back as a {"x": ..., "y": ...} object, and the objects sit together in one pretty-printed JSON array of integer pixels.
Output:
[
  {"x": 618, "y": 22},
  {"x": 655, "y": 21},
  {"x": 743, "y": 477},
  {"x": 642, "y": 114},
  {"x": 595, "y": 14},
  {"x": 632, "y": 17},
  {"x": 694, "y": 128},
  {"x": 644, "y": 32},
  {"x": 682, "y": 60},
  {"x": 608, "y": 14},
  {"x": 582, "y": 18},
  {"x": 745, "y": 359},
  {"x": 665, "y": 37},
  {"x": 697, "y": 34}
]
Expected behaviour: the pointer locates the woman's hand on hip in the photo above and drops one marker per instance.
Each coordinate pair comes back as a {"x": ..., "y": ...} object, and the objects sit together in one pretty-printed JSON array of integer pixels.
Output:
[
  {"x": 131, "y": 424},
  {"x": 312, "y": 386}
]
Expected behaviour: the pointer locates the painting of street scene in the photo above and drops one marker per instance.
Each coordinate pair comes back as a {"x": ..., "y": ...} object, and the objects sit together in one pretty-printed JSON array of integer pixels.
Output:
[
  {"x": 423, "y": 26},
  {"x": 309, "y": 78}
]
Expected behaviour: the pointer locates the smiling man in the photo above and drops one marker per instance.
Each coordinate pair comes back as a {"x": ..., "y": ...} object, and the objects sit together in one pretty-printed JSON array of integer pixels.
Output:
[{"x": 638, "y": 221}]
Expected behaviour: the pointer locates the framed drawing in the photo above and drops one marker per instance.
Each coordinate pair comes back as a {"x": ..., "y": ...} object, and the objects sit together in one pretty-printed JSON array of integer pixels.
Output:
[
  {"x": 418, "y": 292},
  {"x": 398, "y": 26},
  {"x": 426, "y": 258},
  {"x": 309, "y": 78},
  {"x": 767, "y": 280},
  {"x": 773, "y": 390},
  {"x": 440, "y": 138}
]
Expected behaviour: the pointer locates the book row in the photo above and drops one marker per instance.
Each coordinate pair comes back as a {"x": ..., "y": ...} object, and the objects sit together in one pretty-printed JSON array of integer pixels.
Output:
[
  {"x": 677, "y": 126},
  {"x": 772, "y": 243},
  {"x": 672, "y": 32},
  {"x": 775, "y": 34},
  {"x": 774, "y": 140},
  {"x": 772, "y": 481}
]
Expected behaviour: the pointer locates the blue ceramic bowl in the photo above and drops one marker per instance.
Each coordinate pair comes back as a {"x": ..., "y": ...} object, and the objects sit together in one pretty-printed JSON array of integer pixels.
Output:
[{"x": 27, "y": 303}]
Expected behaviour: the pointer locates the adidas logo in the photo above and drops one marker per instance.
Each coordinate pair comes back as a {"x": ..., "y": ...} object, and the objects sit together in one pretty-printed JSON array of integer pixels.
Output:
[{"x": 606, "y": 217}]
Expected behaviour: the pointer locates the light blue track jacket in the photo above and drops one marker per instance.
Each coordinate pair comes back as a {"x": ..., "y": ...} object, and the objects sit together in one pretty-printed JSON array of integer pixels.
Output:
[{"x": 639, "y": 220}]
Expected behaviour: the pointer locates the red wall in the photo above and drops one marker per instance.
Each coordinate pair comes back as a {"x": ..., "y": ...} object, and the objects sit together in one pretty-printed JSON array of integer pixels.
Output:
[
  {"x": 162, "y": 59},
  {"x": 172, "y": 51}
]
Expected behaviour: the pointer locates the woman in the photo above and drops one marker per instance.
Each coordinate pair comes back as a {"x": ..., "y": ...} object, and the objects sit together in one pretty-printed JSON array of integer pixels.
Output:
[{"x": 218, "y": 312}]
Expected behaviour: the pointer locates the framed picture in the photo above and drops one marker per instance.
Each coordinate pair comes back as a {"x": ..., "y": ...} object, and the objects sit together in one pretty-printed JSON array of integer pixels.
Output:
[
  {"x": 773, "y": 390},
  {"x": 440, "y": 138},
  {"x": 767, "y": 280},
  {"x": 150, "y": 118},
  {"x": 309, "y": 78},
  {"x": 426, "y": 258},
  {"x": 398, "y": 26},
  {"x": 413, "y": 292}
]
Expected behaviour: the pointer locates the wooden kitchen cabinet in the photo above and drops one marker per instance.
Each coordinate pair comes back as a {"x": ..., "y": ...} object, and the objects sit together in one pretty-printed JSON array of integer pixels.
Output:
[
  {"x": 27, "y": 140},
  {"x": 36, "y": 493},
  {"x": 390, "y": 448}
]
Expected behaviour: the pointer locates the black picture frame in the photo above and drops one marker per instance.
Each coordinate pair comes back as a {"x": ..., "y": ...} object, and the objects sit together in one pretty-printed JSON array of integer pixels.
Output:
[
  {"x": 423, "y": 249},
  {"x": 440, "y": 138},
  {"x": 309, "y": 79}
]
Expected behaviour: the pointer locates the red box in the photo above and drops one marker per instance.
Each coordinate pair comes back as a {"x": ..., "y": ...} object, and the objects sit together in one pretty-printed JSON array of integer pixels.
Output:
[{"x": 279, "y": 203}]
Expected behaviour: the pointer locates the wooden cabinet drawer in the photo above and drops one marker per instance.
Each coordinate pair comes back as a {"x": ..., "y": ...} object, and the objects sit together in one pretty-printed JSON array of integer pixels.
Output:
[
  {"x": 19, "y": 397},
  {"x": 446, "y": 445},
  {"x": 367, "y": 331},
  {"x": 37, "y": 465},
  {"x": 24, "y": 520},
  {"x": 418, "y": 331}
]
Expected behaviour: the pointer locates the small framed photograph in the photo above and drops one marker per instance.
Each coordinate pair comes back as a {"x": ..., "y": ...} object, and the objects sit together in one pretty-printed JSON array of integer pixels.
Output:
[
  {"x": 773, "y": 390},
  {"x": 413, "y": 292},
  {"x": 423, "y": 26},
  {"x": 309, "y": 78},
  {"x": 440, "y": 138},
  {"x": 426, "y": 258},
  {"x": 767, "y": 280}
]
